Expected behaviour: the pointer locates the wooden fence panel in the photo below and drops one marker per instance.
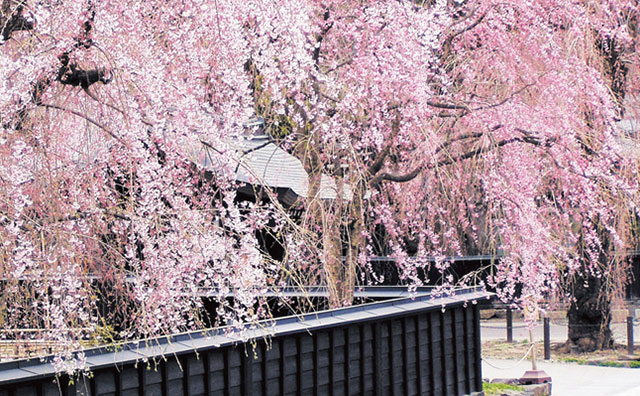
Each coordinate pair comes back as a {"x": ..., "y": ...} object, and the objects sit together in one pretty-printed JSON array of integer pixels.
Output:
[{"x": 417, "y": 351}]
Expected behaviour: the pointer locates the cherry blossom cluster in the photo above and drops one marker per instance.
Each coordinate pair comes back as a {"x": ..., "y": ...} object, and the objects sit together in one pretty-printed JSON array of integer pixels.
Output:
[{"x": 447, "y": 128}]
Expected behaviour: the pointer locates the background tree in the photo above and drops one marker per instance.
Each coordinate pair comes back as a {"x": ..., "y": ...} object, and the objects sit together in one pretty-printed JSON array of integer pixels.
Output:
[{"x": 466, "y": 128}]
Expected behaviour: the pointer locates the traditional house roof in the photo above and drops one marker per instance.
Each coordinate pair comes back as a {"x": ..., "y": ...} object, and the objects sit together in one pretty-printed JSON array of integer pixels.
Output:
[
  {"x": 260, "y": 162},
  {"x": 629, "y": 138}
]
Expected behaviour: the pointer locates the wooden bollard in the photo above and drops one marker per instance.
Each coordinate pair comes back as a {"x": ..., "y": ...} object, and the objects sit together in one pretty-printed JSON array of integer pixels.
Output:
[
  {"x": 630, "y": 335},
  {"x": 547, "y": 339},
  {"x": 509, "y": 325}
]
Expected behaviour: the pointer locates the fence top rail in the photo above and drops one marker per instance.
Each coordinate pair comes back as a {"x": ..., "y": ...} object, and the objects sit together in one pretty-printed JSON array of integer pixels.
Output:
[
  {"x": 323, "y": 292},
  {"x": 177, "y": 344}
]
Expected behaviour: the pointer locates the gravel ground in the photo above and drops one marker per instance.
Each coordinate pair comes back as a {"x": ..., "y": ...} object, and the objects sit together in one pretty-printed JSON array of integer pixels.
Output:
[{"x": 504, "y": 350}]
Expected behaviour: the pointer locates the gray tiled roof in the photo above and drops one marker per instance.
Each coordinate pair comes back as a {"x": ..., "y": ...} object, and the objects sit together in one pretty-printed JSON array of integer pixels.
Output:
[
  {"x": 628, "y": 140},
  {"x": 261, "y": 162}
]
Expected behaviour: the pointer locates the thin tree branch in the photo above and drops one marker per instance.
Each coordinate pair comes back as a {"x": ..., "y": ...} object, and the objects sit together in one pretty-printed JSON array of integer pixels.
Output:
[
  {"x": 323, "y": 33},
  {"x": 86, "y": 117},
  {"x": 448, "y": 42},
  {"x": 448, "y": 143},
  {"x": 377, "y": 164},
  {"x": 467, "y": 109},
  {"x": 405, "y": 177},
  {"x": 447, "y": 106}
]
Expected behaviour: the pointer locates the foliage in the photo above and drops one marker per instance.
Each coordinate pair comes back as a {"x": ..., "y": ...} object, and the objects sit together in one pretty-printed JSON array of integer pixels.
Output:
[
  {"x": 603, "y": 363},
  {"x": 496, "y": 388},
  {"x": 447, "y": 127}
]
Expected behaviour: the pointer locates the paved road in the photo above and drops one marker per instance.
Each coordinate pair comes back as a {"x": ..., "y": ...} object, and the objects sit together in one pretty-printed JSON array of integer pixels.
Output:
[
  {"x": 572, "y": 379},
  {"x": 567, "y": 379},
  {"x": 495, "y": 329}
]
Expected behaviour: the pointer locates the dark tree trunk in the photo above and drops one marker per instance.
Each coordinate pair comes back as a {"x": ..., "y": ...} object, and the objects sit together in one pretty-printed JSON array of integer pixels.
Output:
[{"x": 589, "y": 315}]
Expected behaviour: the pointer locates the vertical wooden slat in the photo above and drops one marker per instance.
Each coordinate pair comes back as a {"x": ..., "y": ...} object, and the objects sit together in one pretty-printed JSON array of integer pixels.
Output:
[
  {"x": 377, "y": 362},
  {"x": 443, "y": 351},
  {"x": 419, "y": 355},
  {"x": 478, "y": 348},
  {"x": 163, "y": 374},
  {"x": 347, "y": 368},
  {"x": 264, "y": 369},
  {"x": 247, "y": 371},
  {"x": 66, "y": 387},
  {"x": 281, "y": 362},
  {"x": 185, "y": 374},
  {"x": 141, "y": 381},
  {"x": 456, "y": 361},
  {"x": 92, "y": 385},
  {"x": 394, "y": 370},
  {"x": 432, "y": 357},
  {"x": 71, "y": 389},
  {"x": 226, "y": 373},
  {"x": 299, "y": 364},
  {"x": 316, "y": 366},
  {"x": 207, "y": 373},
  {"x": 467, "y": 363},
  {"x": 405, "y": 356},
  {"x": 363, "y": 358},
  {"x": 331, "y": 360},
  {"x": 118, "y": 379}
]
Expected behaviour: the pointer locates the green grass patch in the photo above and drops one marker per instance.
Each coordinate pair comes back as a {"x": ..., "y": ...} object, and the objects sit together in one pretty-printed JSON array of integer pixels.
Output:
[
  {"x": 610, "y": 364},
  {"x": 574, "y": 360},
  {"x": 496, "y": 388},
  {"x": 601, "y": 363}
]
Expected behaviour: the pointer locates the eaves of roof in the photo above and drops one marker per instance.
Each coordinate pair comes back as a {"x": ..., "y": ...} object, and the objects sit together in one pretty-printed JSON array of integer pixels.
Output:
[{"x": 21, "y": 370}]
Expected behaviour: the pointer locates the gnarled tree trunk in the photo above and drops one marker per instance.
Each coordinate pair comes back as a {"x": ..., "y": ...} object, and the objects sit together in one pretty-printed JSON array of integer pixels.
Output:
[
  {"x": 589, "y": 314},
  {"x": 342, "y": 241}
]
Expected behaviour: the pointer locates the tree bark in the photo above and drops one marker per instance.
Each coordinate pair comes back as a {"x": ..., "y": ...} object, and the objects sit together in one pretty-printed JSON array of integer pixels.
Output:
[
  {"x": 589, "y": 315},
  {"x": 337, "y": 221},
  {"x": 341, "y": 233},
  {"x": 332, "y": 251}
]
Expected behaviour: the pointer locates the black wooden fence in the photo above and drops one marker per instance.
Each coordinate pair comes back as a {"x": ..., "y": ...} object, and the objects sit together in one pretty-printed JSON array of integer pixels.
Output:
[
  {"x": 420, "y": 346},
  {"x": 633, "y": 288}
]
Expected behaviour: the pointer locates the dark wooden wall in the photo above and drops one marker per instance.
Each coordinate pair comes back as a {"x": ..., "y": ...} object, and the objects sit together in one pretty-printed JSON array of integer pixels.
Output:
[
  {"x": 423, "y": 353},
  {"x": 633, "y": 288},
  {"x": 459, "y": 267}
]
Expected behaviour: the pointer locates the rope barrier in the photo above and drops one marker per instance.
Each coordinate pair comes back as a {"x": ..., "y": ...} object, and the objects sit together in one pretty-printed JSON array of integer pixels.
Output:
[
  {"x": 636, "y": 323},
  {"x": 515, "y": 365},
  {"x": 502, "y": 327},
  {"x": 551, "y": 323}
]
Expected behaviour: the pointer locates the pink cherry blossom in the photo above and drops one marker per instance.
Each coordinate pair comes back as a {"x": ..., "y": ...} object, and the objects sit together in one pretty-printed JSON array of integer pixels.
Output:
[{"x": 447, "y": 128}]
